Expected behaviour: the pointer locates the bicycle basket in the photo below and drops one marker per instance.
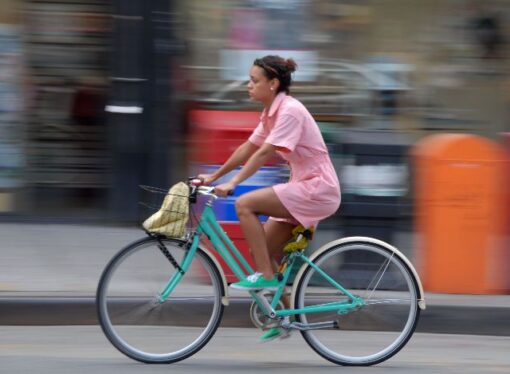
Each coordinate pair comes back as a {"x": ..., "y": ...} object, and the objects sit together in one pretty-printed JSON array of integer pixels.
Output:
[{"x": 171, "y": 218}]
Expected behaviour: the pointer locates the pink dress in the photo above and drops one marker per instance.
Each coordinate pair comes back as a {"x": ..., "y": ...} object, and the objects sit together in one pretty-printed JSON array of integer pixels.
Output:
[{"x": 313, "y": 191}]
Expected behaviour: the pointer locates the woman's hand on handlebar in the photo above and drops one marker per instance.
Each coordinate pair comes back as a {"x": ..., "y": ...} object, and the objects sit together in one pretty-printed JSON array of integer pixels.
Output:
[
  {"x": 224, "y": 189},
  {"x": 206, "y": 179}
]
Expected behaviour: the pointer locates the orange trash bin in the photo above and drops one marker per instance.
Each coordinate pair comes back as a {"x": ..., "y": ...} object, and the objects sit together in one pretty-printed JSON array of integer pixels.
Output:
[{"x": 461, "y": 213}]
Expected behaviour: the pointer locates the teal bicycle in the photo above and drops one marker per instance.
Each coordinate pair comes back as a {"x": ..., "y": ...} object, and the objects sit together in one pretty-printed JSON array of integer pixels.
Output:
[{"x": 356, "y": 300}]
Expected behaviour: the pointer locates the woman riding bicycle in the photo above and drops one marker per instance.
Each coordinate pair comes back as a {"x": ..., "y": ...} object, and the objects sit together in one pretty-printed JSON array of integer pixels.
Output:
[
  {"x": 356, "y": 300},
  {"x": 312, "y": 192}
]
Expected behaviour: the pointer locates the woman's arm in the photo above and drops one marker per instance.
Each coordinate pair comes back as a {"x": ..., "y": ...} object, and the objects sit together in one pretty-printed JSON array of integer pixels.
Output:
[
  {"x": 238, "y": 157},
  {"x": 253, "y": 164}
]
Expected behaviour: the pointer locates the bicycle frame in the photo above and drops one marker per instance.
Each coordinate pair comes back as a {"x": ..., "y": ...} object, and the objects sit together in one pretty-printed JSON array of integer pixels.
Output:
[{"x": 209, "y": 226}]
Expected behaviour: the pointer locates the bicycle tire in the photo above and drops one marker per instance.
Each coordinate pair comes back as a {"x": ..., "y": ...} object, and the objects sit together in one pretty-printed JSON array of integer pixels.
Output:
[
  {"x": 143, "y": 328},
  {"x": 377, "y": 330}
]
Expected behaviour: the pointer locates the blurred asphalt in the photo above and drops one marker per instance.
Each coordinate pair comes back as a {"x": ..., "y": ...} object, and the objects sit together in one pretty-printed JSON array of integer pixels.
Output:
[{"x": 49, "y": 274}]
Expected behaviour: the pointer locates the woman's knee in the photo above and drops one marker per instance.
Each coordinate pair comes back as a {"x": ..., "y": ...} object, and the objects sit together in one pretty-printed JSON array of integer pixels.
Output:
[{"x": 243, "y": 206}]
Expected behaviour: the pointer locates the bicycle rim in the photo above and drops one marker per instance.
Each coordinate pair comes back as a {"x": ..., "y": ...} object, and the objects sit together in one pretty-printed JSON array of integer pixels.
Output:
[
  {"x": 377, "y": 330},
  {"x": 138, "y": 323}
]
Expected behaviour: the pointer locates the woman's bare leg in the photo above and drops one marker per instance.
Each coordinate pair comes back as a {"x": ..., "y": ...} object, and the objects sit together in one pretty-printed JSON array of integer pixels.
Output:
[
  {"x": 277, "y": 235},
  {"x": 249, "y": 206}
]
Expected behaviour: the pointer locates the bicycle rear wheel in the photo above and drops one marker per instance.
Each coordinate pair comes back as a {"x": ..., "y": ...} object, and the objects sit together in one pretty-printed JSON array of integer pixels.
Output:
[
  {"x": 135, "y": 320},
  {"x": 378, "y": 329}
]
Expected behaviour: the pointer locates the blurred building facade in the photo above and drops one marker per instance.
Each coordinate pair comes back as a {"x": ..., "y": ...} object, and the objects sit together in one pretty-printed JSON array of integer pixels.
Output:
[
  {"x": 86, "y": 112},
  {"x": 95, "y": 96}
]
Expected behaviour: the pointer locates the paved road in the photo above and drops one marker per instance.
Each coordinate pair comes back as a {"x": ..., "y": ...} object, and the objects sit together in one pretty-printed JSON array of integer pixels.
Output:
[{"x": 83, "y": 349}]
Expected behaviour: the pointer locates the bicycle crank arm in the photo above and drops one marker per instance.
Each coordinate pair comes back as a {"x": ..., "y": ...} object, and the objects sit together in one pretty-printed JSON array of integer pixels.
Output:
[
  {"x": 267, "y": 309},
  {"x": 311, "y": 326}
]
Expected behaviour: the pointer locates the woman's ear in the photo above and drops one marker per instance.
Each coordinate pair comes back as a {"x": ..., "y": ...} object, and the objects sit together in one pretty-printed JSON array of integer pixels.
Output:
[{"x": 275, "y": 84}]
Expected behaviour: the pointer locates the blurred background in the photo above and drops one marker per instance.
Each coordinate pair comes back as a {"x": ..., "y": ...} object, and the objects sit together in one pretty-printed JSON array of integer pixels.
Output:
[{"x": 101, "y": 96}]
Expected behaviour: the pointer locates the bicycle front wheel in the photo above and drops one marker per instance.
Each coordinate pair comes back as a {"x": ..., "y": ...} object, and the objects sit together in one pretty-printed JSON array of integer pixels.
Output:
[
  {"x": 143, "y": 326},
  {"x": 382, "y": 325}
]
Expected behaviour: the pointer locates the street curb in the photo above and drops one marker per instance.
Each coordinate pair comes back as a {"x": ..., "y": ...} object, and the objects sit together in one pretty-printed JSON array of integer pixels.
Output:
[{"x": 437, "y": 318}]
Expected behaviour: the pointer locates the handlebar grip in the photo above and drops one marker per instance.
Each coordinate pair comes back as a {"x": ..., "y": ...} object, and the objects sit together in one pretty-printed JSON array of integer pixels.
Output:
[
  {"x": 229, "y": 193},
  {"x": 196, "y": 182}
]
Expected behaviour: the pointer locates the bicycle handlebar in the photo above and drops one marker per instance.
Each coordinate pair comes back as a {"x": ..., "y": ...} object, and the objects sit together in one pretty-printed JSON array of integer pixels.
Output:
[
  {"x": 209, "y": 190},
  {"x": 196, "y": 183}
]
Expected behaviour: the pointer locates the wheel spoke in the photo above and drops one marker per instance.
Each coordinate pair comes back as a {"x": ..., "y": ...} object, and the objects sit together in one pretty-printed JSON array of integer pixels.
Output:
[{"x": 377, "y": 278}]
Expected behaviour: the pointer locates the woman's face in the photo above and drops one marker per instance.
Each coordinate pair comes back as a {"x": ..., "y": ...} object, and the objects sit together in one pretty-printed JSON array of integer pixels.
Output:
[{"x": 260, "y": 88}]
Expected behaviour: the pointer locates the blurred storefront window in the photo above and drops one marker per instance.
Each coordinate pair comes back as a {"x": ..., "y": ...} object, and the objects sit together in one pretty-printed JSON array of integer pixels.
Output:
[
  {"x": 67, "y": 54},
  {"x": 12, "y": 158}
]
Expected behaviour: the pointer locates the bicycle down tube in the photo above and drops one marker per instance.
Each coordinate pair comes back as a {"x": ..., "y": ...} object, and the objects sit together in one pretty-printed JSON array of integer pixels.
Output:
[{"x": 209, "y": 226}]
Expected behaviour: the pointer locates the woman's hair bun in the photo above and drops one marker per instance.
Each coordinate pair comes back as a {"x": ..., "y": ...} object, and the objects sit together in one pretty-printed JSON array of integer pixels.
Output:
[{"x": 291, "y": 65}]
